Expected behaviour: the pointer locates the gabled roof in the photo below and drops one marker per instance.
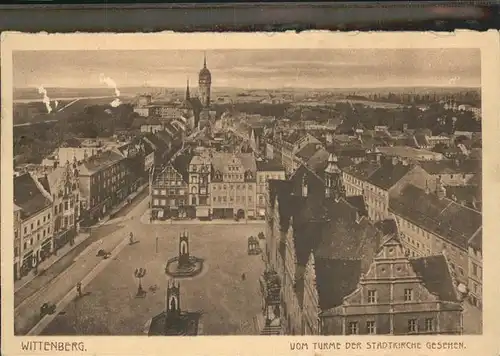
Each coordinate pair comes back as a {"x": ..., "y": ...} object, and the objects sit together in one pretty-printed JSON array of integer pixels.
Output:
[
  {"x": 28, "y": 196},
  {"x": 308, "y": 151},
  {"x": 443, "y": 217},
  {"x": 362, "y": 170},
  {"x": 181, "y": 164},
  {"x": 467, "y": 166},
  {"x": 436, "y": 276},
  {"x": 319, "y": 161},
  {"x": 389, "y": 174}
]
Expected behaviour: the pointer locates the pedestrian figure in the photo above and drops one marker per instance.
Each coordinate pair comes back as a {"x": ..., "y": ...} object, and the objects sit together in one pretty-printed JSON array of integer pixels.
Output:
[
  {"x": 131, "y": 238},
  {"x": 79, "y": 289},
  {"x": 243, "y": 277}
]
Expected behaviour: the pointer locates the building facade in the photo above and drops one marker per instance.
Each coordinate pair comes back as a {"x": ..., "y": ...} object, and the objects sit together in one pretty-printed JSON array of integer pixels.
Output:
[
  {"x": 266, "y": 170},
  {"x": 36, "y": 223},
  {"x": 170, "y": 193},
  {"x": 102, "y": 183},
  {"x": 397, "y": 297},
  {"x": 233, "y": 185},
  {"x": 432, "y": 224},
  {"x": 199, "y": 185},
  {"x": 476, "y": 270},
  {"x": 64, "y": 187}
]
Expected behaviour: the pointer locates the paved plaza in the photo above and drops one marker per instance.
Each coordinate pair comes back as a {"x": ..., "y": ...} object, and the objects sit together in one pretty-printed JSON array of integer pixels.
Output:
[{"x": 228, "y": 303}]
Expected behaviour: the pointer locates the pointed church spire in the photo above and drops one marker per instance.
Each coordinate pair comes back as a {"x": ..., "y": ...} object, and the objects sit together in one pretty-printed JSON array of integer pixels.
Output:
[
  {"x": 187, "y": 90},
  {"x": 204, "y": 59}
]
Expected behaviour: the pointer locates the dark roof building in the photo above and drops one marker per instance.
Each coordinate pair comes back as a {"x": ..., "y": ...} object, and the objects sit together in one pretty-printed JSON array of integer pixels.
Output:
[
  {"x": 443, "y": 217},
  {"x": 28, "y": 196}
]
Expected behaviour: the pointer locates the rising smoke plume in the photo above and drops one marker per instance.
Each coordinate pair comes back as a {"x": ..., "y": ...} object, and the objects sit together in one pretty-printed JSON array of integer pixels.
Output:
[
  {"x": 46, "y": 99},
  {"x": 115, "y": 103},
  {"x": 110, "y": 83}
]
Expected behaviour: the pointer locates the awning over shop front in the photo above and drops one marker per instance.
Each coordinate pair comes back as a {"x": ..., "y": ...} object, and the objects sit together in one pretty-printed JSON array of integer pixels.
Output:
[{"x": 202, "y": 212}]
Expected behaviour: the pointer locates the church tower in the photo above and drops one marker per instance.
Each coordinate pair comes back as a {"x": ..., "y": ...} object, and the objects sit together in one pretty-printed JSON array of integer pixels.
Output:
[
  {"x": 204, "y": 84},
  {"x": 188, "y": 97},
  {"x": 334, "y": 187}
]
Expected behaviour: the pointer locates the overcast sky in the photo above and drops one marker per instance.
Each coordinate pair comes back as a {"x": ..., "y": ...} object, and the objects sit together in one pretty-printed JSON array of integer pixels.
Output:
[{"x": 304, "y": 68}]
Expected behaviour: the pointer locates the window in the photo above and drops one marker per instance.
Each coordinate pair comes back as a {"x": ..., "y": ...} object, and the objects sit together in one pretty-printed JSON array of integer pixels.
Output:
[
  {"x": 44, "y": 218},
  {"x": 353, "y": 328},
  {"x": 475, "y": 287},
  {"x": 461, "y": 270},
  {"x": 25, "y": 229},
  {"x": 408, "y": 295},
  {"x": 215, "y": 199},
  {"x": 55, "y": 209},
  {"x": 48, "y": 230},
  {"x": 474, "y": 269},
  {"x": 156, "y": 202},
  {"x": 38, "y": 223},
  {"x": 66, "y": 205},
  {"x": 372, "y": 296},
  {"x": 370, "y": 327},
  {"x": 429, "y": 324},
  {"x": 412, "y": 326}
]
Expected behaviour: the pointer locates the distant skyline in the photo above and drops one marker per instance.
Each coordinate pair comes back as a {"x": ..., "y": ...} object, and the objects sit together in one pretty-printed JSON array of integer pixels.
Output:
[{"x": 251, "y": 69}]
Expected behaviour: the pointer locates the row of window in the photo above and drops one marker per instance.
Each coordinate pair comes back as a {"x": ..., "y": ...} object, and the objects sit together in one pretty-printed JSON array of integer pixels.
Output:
[
  {"x": 46, "y": 218},
  {"x": 223, "y": 199},
  {"x": 372, "y": 296},
  {"x": 264, "y": 179},
  {"x": 107, "y": 174},
  {"x": 40, "y": 235},
  {"x": 231, "y": 187},
  {"x": 163, "y": 202},
  {"x": 371, "y": 327}
]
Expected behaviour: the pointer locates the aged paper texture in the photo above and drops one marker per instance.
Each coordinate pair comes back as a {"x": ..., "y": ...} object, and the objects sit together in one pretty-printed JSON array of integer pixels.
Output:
[{"x": 322, "y": 188}]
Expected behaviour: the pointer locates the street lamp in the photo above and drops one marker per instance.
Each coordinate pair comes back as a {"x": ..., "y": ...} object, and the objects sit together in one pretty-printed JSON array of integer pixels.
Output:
[{"x": 139, "y": 273}]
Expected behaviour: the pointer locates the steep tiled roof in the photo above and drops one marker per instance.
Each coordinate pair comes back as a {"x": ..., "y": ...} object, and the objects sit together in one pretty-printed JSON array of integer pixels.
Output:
[
  {"x": 358, "y": 201},
  {"x": 451, "y": 166},
  {"x": 389, "y": 174},
  {"x": 28, "y": 196},
  {"x": 436, "y": 276},
  {"x": 477, "y": 240},
  {"x": 362, "y": 170},
  {"x": 294, "y": 137},
  {"x": 319, "y": 160},
  {"x": 443, "y": 217},
  {"x": 335, "y": 279},
  {"x": 269, "y": 166},
  {"x": 308, "y": 151},
  {"x": 470, "y": 194},
  {"x": 181, "y": 165}
]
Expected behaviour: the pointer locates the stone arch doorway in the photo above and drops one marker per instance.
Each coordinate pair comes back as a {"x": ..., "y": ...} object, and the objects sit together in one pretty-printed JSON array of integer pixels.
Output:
[{"x": 240, "y": 214}]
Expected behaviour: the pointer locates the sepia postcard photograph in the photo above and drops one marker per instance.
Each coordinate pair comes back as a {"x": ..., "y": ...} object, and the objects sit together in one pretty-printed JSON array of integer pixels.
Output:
[{"x": 316, "y": 186}]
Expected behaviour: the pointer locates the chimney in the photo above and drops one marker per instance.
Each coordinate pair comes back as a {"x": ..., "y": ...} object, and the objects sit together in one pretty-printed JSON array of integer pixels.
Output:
[
  {"x": 474, "y": 202},
  {"x": 440, "y": 189}
]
